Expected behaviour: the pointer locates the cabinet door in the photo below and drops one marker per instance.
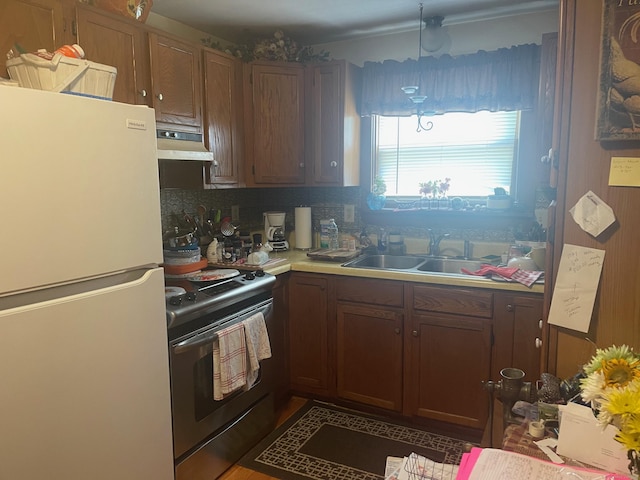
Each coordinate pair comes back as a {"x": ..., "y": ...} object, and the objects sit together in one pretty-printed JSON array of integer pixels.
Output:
[
  {"x": 176, "y": 82},
  {"x": 32, "y": 24},
  {"x": 327, "y": 102},
  {"x": 333, "y": 124},
  {"x": 308, "y": 333},
  {"x": 223, "y": 109},
  {"x": 121, "y": 44},
  {"x": 280, "y": 338},
  {"x": 369, "y": 347},
  {"x": 274, "y": 113},
  {"x": 517, "y": 329},
  {"x": 449, "y": 359}
]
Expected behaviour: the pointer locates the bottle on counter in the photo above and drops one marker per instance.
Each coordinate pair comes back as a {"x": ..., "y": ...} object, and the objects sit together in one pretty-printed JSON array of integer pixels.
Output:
[{"x": 334, "y": 236}]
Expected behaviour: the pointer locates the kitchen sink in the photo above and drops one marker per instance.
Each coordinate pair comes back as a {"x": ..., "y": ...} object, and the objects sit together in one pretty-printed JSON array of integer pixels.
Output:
[
  {"x": 449, "y": 265},
  {"x": 415, "y": 264},
  {"x": 386, "y": 262}
]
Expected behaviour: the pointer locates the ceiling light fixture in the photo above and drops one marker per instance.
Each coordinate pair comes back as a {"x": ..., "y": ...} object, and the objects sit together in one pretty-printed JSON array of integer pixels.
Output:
[
  {"x": 433, "y": 36},
  {"x": 412, "y": 90}
]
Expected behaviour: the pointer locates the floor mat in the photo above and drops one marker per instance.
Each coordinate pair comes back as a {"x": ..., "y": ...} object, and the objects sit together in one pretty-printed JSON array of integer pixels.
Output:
[{"x": 322, "y": 441}]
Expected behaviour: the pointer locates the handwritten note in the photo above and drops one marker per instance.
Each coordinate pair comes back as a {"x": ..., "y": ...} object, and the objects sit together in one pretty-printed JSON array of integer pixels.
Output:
[
  {"x": 576, "y": 285},
  {"x": 625, "y": 171}
]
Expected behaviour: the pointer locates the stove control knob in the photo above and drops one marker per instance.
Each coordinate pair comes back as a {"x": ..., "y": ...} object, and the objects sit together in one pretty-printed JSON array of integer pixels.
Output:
[
  {"x": 191, "y": 296},
  {"x": 249, "y": 276},
  {"x": 259, "y": 273},
  {"x": 177, "y": 300}
]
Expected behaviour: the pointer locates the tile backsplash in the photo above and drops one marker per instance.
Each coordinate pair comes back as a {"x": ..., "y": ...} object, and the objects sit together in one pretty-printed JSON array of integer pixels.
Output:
[{"x": 325, "y": 202}]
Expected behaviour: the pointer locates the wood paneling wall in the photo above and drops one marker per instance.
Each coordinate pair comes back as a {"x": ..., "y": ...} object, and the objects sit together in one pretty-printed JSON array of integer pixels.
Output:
[{"x": 583, "y": 166}]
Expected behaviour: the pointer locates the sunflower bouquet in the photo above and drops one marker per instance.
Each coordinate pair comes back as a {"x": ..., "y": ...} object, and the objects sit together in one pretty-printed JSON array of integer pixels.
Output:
[{"x": 612, "y": 387}]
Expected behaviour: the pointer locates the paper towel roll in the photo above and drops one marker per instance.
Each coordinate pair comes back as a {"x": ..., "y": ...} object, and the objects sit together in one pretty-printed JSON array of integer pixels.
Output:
[{"x": 303, "y": 227}]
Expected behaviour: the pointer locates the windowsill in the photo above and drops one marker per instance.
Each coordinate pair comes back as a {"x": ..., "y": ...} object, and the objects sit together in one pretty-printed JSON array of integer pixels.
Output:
[{"x": 468, "y": 218}]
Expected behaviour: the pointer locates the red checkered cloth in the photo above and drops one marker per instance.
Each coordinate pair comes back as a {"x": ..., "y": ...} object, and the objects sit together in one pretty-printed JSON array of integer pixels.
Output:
[
  {"x": 513, "y": 274},
  {"x": 229, "y": 361}
]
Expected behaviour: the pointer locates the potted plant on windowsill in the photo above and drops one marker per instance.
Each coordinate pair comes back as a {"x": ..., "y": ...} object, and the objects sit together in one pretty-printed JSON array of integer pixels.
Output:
[
  {"x": 376, "y": 197},
  {"x": 434, "y": 194}
]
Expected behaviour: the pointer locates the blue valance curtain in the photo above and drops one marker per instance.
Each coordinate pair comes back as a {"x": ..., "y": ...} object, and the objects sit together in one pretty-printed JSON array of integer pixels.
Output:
[{"x": 501, "y": 80}]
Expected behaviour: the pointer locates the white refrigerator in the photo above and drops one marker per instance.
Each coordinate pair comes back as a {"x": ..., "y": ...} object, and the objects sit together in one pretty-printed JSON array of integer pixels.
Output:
[{"x": 84, "y": 376}]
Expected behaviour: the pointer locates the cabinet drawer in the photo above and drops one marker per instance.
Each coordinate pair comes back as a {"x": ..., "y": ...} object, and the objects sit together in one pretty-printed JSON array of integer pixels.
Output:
[
  {"x": 453, "y": 300},
  {"x": 370, "y": 291}
]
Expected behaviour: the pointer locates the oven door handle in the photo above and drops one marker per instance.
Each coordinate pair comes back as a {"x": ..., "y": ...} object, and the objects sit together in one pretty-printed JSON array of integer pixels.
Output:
[
  {"x": 207, "y": 337},
  {"x": 194, "y": 342}
]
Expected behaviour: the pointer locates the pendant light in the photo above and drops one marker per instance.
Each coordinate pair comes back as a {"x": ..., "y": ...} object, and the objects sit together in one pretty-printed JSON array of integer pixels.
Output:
[{"x": 412, "y": 91}]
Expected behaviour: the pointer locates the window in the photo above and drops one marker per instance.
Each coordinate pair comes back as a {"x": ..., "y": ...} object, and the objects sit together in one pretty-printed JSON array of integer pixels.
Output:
[{"x": 478, "y": 151}]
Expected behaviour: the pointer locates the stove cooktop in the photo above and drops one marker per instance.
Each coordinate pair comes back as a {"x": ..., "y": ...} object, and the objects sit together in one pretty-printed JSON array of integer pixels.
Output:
[{"x": 208, "y": 298}]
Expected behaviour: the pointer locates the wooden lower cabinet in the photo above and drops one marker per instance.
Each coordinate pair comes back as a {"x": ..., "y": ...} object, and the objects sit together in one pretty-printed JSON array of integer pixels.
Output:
[
  {"x": 309, "y": 321},
  {"x": 449, "y": 358},
  {"x": 518, "y": 334},
  {"x": 448, "y": 354},
  {"x": 280, "y": 341},
  {"x": 413, "y": 348},
  {"x": 369, "y": 355}
]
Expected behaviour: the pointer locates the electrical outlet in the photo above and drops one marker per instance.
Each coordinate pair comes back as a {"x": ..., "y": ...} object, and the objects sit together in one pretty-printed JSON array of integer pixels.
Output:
[
  {"x": 235, "y": 213},
  {"x": 349, "y": 213}
]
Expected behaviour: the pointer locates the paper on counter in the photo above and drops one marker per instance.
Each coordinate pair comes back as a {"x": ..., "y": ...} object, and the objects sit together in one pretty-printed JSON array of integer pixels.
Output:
[
  {"x": 592, "y": 214},
  {"x": 583, "y": 439},
  {"x": 576, "y": 285},
  {"x": 493, "y": 464}
]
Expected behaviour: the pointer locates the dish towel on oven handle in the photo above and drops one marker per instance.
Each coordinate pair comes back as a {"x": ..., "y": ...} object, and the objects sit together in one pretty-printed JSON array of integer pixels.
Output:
[
  {"x": 229, "y": 361},
  {"x": 258, "y": 347}
]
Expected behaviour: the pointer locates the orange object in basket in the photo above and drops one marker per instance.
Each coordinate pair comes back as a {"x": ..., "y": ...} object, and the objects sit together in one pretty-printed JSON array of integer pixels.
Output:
[
  {"x": 186, "y": 268},
  {"x": 72, "y": 51}
]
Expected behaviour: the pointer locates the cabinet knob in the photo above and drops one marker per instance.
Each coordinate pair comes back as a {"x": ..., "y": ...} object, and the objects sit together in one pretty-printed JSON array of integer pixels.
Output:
[
  {"x": 160, "y": 97},
  {"x": 538, "y": 343},
  {"x": 397, "y": 330},
  {"x": 509, "y": 308},
  {"x": 414, "y": 333},
  {"x": 301, "y": 165},
  {"x": 334, "y": 164},
  {"x": 143, "y": 93},
  {"x": 540, "y": 324}
]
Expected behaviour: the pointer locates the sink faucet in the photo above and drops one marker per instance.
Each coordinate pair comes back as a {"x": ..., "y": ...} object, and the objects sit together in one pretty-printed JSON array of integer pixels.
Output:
[{"x": 434, "y": 242}]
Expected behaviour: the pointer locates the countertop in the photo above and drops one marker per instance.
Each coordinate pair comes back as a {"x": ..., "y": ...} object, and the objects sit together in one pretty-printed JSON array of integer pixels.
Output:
[{"x": 297, "y": 261}]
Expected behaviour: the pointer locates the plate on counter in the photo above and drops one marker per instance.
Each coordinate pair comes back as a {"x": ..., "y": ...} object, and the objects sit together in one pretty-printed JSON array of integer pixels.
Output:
[{"x": 213, "y": 275}]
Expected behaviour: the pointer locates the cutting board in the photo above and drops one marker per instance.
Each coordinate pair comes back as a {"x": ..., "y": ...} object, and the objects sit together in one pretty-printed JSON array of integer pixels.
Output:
[{"x": 338, "y": 255}]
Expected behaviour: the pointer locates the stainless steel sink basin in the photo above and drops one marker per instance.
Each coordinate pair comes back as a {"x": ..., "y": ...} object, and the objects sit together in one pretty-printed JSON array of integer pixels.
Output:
[
  {"x": 449, "y": 265},
  {"x": 415, "y": 264},
  {"x": 386, "y": 262}
]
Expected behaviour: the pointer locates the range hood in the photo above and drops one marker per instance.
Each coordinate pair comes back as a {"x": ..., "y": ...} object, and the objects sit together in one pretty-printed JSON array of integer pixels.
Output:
[{"x": 174, "y": 145}]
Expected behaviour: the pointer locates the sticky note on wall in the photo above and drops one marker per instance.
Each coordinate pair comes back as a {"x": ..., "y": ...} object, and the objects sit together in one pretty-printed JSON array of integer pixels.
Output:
[{"x": 624, "y": 172}]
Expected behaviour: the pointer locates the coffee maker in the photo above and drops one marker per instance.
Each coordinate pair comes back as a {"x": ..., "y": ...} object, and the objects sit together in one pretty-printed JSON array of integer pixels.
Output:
[{"x": 274, "y": 230}]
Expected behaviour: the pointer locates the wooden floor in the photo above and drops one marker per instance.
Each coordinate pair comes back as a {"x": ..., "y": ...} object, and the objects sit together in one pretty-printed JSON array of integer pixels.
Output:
[{"x": 240, "y": 473}]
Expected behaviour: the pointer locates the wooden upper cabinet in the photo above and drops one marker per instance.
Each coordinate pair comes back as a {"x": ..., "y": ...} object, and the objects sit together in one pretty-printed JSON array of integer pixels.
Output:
[
  {"x": 32, "y": 24},
  {"x": 176, "y": 83},
  {"x": 333, "y": 124},
  {"x": 122, "y": 44},
  {"x": 274, "y": 123},
  {"x": 223, "y": 116}
]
